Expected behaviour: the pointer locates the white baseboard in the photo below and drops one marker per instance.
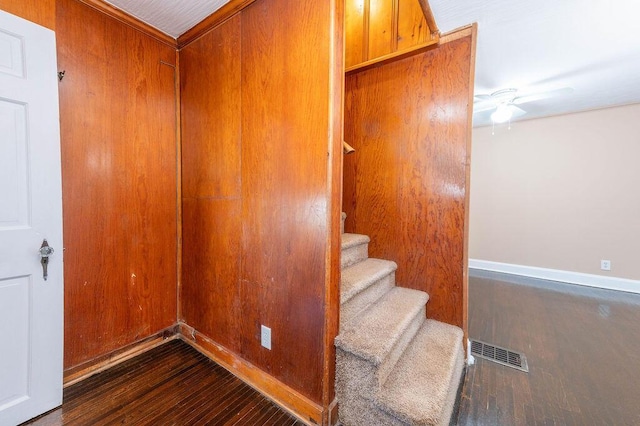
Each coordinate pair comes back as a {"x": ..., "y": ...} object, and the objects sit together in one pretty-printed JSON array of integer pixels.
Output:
[{"x": 590, "y": 280}]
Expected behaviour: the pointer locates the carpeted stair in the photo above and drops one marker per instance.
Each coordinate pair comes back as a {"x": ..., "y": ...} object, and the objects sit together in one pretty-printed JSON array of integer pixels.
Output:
[{"x": 394, "y": 367}]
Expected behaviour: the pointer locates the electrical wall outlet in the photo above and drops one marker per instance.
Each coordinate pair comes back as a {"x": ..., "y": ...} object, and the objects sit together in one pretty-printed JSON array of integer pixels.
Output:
[
  {"x": 265, "y": 336},
  {"x": 605, "y": 265}
]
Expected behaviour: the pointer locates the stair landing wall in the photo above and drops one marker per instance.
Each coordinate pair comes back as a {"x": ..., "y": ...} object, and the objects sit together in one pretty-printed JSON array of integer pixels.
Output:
[{"x": 406, "y": 185}]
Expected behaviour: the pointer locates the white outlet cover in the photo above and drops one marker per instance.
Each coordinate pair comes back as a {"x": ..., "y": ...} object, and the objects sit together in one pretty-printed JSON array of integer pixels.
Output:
[
  {"x": 605, "y": 265},
  {"x": 265, "y": 337}
]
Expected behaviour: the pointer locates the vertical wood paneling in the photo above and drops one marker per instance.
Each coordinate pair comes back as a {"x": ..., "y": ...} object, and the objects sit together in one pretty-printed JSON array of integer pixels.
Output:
[
  {"x": 210, "y": 85},
  {"x": 117, "y": 107},
  {"x": 285, "y": 105},
  {"x": 412, "y": 25},
  {"x": 408, "y": 121},
  {"x": 42, "y": 12},
  {"x": 354, "y": 26},
  {"x": 380, "y": 28},
  {"x": 262, "y": 132},
  {"x": 377, "y": 29},
  {"x": 211, "y": 265}
]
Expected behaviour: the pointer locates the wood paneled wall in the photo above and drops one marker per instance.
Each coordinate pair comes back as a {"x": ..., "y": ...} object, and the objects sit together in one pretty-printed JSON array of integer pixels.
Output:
[
  {"x": 378, "y": 28},
  {"x": 42, "y": 12},
  {"x": 118, "y": 136},
  {"x": 261, "y": 128},
  {"x": 210, "y": 83},
  {"x": 406, "y": 184}
]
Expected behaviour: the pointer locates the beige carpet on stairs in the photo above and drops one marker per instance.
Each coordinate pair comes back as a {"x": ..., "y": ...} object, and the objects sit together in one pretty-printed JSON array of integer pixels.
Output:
[{"x": 394, "y": 367}]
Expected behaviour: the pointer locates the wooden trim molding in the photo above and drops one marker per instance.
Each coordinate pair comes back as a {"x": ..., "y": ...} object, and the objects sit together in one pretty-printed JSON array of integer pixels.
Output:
[
  {"x": 428, "y": 15},
  {"x": 210, "y": 22},
  {"x": 394, "y": 56},
  {"x": 473, "y": 33},
  {"x": 297, "y": 404},
  {"x": 96, "y": 365},
  {"x": 133, "y": 22},
  {"x": 459, "y": 33}
]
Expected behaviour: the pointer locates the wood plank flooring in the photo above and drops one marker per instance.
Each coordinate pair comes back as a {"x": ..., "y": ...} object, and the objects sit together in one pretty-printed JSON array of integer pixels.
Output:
[
  {"x": 172, "y": 384},
  {"x": 582, "y": 345}
]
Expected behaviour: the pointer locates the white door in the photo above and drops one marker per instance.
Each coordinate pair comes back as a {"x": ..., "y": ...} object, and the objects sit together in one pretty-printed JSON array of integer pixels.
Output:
[{"x": 31, "y": 308}]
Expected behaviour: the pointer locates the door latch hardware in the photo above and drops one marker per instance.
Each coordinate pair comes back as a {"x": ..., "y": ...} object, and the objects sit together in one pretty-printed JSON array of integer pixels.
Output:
[{"x": 45, "y": 252}]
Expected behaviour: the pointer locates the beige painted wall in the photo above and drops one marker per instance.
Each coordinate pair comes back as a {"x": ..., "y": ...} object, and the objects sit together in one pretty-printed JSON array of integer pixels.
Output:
[{"x": 560, "y": 193}]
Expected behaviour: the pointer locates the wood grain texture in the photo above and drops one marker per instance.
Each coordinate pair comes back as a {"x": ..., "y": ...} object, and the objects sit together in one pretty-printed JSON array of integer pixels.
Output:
[
  {"x": 210, "y": 292},
  {"x": 210, "y": 91},
  {"x": 376, "y": 30},
  {"x": 133, "y": 22},
  {"x": 381, "y": 23},
  {"x": 354, "y": 26},
  {"x": 260, "y": 232},
  {"x": 428, "y": 14},
  {"x": 408, "y": 121},
  {"x": 285, "y": 99},
  {"x": 42, "y": 12},
  {"x": 471, "y": 32},
  {"x": 395, "y": 56},
  {"x": 266, "y": 384},
  {"x": 118, "y": 136},
  {"x": 85, "y": 370},
  {"x": 564, "y": 331},
  {"x": 412, "y": 25},
  {"x": 168, "y": 385},
  {"x": 210, "y": 84},
  {"x": 334, "y": 190}
]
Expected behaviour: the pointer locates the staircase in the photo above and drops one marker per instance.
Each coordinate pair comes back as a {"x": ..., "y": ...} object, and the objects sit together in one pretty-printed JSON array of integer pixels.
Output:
[{"x": 394, "y": 367}]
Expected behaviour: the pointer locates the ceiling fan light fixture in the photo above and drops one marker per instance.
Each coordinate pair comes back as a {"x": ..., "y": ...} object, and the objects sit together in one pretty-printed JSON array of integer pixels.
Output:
[{"x": 502, "y": 114}]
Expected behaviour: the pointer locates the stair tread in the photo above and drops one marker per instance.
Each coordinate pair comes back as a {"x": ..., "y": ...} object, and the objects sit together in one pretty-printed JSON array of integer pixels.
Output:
[
  {"x": 351, "y": 240},
  {"x": 418, "y": 387},
  {"x": 361, "y": 275},
  {"x": 373, "y": 333}
]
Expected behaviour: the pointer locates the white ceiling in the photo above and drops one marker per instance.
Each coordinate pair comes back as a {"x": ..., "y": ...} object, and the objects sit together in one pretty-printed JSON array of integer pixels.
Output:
[
  {"x": 172, "y": 17},
  {"x": 591, "y": 46}
]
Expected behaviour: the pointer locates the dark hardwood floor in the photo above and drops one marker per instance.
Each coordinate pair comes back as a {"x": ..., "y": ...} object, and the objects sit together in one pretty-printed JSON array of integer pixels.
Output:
[
  {"x": 172, "y": 384},
  {"x": 582, "y": 346}
]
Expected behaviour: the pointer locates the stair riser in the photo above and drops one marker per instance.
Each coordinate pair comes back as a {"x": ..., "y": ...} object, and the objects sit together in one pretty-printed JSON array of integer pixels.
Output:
[
  {"x": 355, "y": 377},
  {"x": 453, "y": 389},
  {"x": 361, "y": 411},
  {"x": 373, "y": 376},
  {"x": 398, "y": 349},
  {"x": 353, "y": 255},
  {"x": 362, "y": 300},
  {"x": 452, "y": 393}
]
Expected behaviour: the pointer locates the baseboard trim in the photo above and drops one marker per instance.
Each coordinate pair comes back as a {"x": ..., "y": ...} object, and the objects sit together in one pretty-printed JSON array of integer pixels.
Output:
[
  {"x": 289, "y": 399},
  {"x": 89, "y": 368},
  {"x": 590, "y": 280},
  {"x": 332, "y": 413}
]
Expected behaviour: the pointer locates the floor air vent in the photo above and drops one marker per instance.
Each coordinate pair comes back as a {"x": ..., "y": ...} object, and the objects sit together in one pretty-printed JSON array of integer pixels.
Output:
[{"x": 500, "y": 355}]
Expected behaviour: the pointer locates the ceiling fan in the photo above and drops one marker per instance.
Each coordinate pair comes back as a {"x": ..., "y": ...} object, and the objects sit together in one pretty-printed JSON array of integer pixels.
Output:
[{"x": 504, "y": 103}]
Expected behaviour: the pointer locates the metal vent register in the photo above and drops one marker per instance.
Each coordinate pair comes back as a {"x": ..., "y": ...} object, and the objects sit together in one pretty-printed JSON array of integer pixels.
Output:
[{"x": 500, "y": 355}]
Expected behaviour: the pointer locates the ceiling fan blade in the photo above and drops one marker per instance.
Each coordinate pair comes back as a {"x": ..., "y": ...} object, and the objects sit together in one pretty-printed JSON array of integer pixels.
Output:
[
  {"x": 481, "y": 97},
  {"x": 517, "y": 112},
  {"x": 542, "y": 95},
  {"x": 484, "y": 106}
]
